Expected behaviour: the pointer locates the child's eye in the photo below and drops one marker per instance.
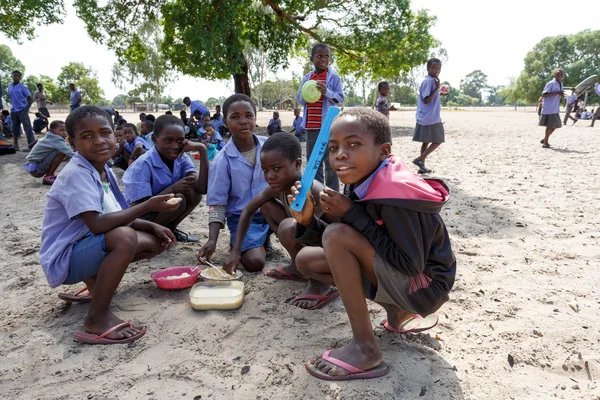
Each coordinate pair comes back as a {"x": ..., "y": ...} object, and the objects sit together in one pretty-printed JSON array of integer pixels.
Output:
[
  {"x": 276, "y": 169},
  {"x": 332, "y": 149},
  {"x": 355, "y": 144},
  {"x": 168, "y": 140}
]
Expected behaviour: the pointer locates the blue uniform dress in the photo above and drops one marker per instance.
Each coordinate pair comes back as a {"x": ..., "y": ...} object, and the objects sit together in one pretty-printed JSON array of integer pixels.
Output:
[
  {"x": 233, "y": 182},
  {"x": 429, "y": 127}
]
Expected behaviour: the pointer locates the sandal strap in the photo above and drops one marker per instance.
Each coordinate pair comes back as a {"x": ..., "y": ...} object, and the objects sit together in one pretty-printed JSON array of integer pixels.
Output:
[{"x": 114, "y": 328}]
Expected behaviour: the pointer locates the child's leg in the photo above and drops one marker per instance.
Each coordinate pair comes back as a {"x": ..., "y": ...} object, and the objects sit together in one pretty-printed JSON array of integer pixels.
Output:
[
  {"x": 423, "y": 148},
  {"x": 311, "y": 262},
  {"x": 55, "y": 163},
  {"x": 547, "y": 136},
  {"x": 253, "y": 260},
  {"x": 168, "y": 218},
  {"x": 428, "y": 150},
  {"x": 273, "y": 212}
]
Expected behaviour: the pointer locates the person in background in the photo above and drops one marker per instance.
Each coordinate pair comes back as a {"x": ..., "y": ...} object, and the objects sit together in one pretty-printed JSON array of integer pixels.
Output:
[
  {"x": 274, "y": 124},
  {"x": 383, "y": 101},
  {"x": 48, "y": 153},
  {"x": 75, "y": 97},
  {"x": 39, "y": 98},
  {"x": 571, "y": 102},
  {"x": 550, "y": 118},
  {"x": 146, "y": 131},
  {"x": 297, "y": 125},
  {"x": 217, "y": 120},
  {"x": 21, "y": 101},
  {"x": 39, "y": 123},
  {"x": 194, "y": 106},
  {"x": 596, "y": 114}
]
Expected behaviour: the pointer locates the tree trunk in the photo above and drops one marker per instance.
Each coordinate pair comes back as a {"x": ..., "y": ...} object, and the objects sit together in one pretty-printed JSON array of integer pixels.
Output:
[{"x": 242, "y": 81}]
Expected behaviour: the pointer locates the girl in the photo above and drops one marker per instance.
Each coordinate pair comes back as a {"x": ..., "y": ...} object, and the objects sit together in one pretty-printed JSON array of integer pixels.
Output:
[
  {"x": 89, "y": 234},
  {"x": 235, "y": 177},
  {"x": 429, "y": 129}
]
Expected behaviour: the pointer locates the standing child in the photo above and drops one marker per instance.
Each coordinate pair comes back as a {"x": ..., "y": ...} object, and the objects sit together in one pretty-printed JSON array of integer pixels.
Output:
[
  {"x": 134, "y": 145},
  {"x": 571, "y": 103},
  {"x": 330, "y": 86},
  {"x": 89, "y": 234},
  {"x": 383, "y": 101},
  {"x": 234, "y": 179},
  {"x": 391, "y": 244},
  {"x": 48, "y": 153},
  {"x": 297, "y": 125},
  {"x": 165, "y": 168},
  {"x": 429, "y": 129},
  {"x": 274, "y": 125},
  {"x": 551, "y": 96}
]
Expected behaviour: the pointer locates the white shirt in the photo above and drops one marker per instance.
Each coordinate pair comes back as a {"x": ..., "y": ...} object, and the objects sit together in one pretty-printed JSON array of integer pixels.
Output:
[
  {"x": 110, "y": 203},
  {"x": 571, "y": 100}
]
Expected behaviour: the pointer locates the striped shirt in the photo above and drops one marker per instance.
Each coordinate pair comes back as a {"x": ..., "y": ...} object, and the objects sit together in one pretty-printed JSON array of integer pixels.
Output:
[{"x": 315, "y": 110}]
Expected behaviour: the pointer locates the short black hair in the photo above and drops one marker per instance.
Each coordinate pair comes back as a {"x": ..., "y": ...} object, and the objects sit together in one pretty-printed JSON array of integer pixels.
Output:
[
  {"x": 234, "y": 99},
  {"x": 318, "y": 47},
  {"x": 186, "y": 98},
  {"x": 382, "y": 84},
  {"x": 16, "y": 71},
  {"x": 150, "y": 117},
  {"x": 149, "y": 123},
  {"x": 118, "y": 128},
  {"x": 285, "y": 143},
  {"x": 169, "y": 113},
  {"x": 122, "y": 122},
  {"x": 144, "y": 114},
  {"x": 166, "y": 120},
  {"x": 183, "y": 113},
  {"x": 81, "y": 113},
  {"x": 132, "y": 126},
  {"x": 376, "y": 123},
  {"x": 39, "y": 84},
  {"x": 56, "y": 123},
  {"x": 6, "y": 113},
  {"x": 432, "y": 61}
]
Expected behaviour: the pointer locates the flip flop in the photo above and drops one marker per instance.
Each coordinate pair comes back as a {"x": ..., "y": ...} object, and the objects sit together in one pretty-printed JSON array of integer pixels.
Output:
[
  {"x": 77, "y": 297},
  {"x": 91, "y": 338},
  {"x": 414, "y": 324},
  {"x": 283, "y": 275},
  {"x": 322, "y": 300},
  {"x": 355, "y": 373}
]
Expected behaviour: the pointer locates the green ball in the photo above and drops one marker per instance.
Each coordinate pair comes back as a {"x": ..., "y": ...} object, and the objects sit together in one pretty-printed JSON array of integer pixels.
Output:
[{"x": 310, "y": 93}]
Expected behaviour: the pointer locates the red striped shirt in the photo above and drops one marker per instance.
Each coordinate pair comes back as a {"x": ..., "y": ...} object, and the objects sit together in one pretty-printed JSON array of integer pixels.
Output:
[{"x": 314, "y": 114}]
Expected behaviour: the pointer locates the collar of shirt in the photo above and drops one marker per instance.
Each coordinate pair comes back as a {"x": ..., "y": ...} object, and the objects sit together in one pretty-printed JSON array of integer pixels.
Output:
[
  {"x": 361, "y": 190},
  {"x": 157, "y": 162},
  {"x": 232, "y": 150},
  {"x": 114, "y": 186}
]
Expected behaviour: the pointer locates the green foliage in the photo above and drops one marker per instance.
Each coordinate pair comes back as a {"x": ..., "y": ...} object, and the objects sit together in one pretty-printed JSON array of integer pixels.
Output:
[
  {"x": 121, "y": 101},
  {"x": 276, "y": 92},
  {"x": 473, "y": 84},
  {"x": 8, "y": 63},
  {"x": 85, "y": 81},
  {"x": 577, "y": 54},
  {"x": 403, "y": 94},
  {"x": 21, "y": 17},
  {"x": 210, "y": 103},
  {"x": 498, "y": 95}
]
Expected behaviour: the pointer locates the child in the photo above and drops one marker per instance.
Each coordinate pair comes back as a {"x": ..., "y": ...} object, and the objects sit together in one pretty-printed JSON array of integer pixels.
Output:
[
  {"x": 217, "y": 119},
  {"x": 281, "y": 161},
  {"x": 121, "y": 156},
  {"x": 391, "y": 244},
  {"x": 330, "y": 85},
  {"x": 39, "y": 123},
  {"x": 550, "y": 117},
  {"x": 234, "y": 179},
  {"x": 429, "y": 129},
  {"x": 48, "y": 153},
  {"x": 146, "y": 129},
  {"x": 134, "y": 145},
  {"x": 297, "y": 125},
  {"x": 205, "y": 121},
  {"x": 213, "y": 141},
  {"x": 383, "y": 101},
  {"x": 89, "y": 234},
  {"x": 571, "y": 102},
  {"x": 165, "y": 168},
  {"x": 274, "y": 124},
  {"x": 6, "y": 123}
]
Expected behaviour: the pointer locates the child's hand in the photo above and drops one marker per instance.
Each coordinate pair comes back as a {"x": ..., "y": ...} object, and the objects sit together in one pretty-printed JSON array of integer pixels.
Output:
[
  {"x": 232, "y": 262},
  {"x": 207, "y": 251},
  {"x": 334, "y": 203},
  {"x": 165, "y": 234},
  {"x": 321, "y": 85},
  {"x": 163, "y": 203},
  {"x": 191, "y": 146},
  {"x": 185, "y": 184},
  {"x": 304, "y": 217}
]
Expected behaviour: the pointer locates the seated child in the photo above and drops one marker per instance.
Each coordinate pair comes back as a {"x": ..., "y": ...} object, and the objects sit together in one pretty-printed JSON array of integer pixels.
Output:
[
  {"x": 89, "y": 234},
  {"x": 40, "y": 123},
  {"x": 391, "y": 244},
  {"x": 235, "y": 177},
  {"x": 165, "y": 168},
  {"x": 298, "y": 127},
  {"x": 5, "y": 124},
  {"x": 217, "y": 120},
  {"x": 383, "y": 101},
  {"x": 146, "y": 129},
  {"x": 210, "y": 141},
  {"x": 274, "y": 124},
  {"x": 134, "y": 145},
  {"x": 281, "y": 161},
  {"x": 121, "y": 156},
  {"x": 48, "y": 152}
]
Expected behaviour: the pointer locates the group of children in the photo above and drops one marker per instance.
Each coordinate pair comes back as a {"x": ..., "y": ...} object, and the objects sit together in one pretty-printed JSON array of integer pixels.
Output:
[{"x": 383, "y": 239}]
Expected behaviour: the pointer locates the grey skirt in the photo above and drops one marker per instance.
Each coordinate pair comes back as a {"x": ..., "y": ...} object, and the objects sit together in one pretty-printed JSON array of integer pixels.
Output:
[
  {"x": 429, "y": 133},
  {"x": 551, "y": 121}
]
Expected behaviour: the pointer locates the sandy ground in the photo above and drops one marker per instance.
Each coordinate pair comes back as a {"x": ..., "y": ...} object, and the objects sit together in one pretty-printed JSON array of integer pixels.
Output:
[{"x": 525, "y": 229}]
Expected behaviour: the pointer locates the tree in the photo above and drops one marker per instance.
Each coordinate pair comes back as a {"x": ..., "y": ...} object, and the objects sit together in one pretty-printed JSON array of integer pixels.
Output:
[
  {"x": 120, "y": 101},
  {"x": 8, "y": 63},
  {"x": 277, "y": 92},
  {"x": 21, "y": 17},
  {"x": 577, "y": 54},
  {"x": 497, "y": 95},
  {"x": 474, "y": 83},
  {"x": 85, "y": 80},
  {"x": 50, "y": 88},
  {"x": 210, "y": 103},
  {"x": 403, "y": 94}
]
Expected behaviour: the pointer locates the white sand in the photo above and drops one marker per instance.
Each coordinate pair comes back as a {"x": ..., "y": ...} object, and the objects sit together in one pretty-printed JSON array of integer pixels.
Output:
[{"x": 525, "y": 227}]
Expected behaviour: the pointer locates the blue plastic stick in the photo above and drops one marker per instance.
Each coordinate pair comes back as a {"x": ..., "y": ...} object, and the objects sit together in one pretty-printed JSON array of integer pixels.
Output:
[{"x": 315, "y": 159}]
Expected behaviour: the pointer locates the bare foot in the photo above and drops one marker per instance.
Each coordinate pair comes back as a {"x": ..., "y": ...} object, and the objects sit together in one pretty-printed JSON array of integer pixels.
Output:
[
  {"x": 99, "y": 325},
  {"x": 290, "y": 269},
  {"x": 363, "y": 356},
  {"x": 313, "y": 288},
  {"x": 396, "y": 317}
]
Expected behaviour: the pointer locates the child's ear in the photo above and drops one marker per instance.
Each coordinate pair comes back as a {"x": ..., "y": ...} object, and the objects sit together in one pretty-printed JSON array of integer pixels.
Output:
[
  {"x": 154, "y": 138},
  {"x": 298, "y": 163},
  {"x": 71, "y": 142},
  {"x": 386, "y": 150}
]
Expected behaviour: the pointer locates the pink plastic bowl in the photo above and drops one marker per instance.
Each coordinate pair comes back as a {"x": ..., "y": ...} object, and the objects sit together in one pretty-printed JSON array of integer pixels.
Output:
[{"x": 174, "y": 284}]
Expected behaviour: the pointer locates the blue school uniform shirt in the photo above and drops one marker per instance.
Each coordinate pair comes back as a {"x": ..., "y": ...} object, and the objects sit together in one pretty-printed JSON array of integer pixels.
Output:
[
  {"x": 232, "y": 182},
  {"x": 197, "y": 105},
  {"x": 18, "y": 95},
  {"x": 298, "y": 124},
  {"x": 334, "y": 96},
  {"x": 75, "y": 97},
  {"x": 551, "y": 105},
  {"x": 77, "y": 189},
  {"x": 217, "y": 123},
  {"x": 148, "y": 138},
  {"x": 428, "y": 114},
  {"x": 149, "y": 175},
  {"x": 131, "y": 146}
]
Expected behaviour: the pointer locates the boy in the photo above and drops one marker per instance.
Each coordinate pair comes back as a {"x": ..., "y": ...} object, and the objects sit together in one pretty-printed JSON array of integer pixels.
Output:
[
  {"x": 297, "y": 126},
  {"x": 146, "y": 129},
  {"x": 121, "y": 156},
  {"x": 39, "y": 98},
  {"x": 48, "y": 153},
  {"x": 330, "y": 86},
  {"x": 39, "y": 123},
  {"x": 391, "y": 244},
  {"x": 571, "y": 102},
  {"x": 274, "y": 125},
  {"x": 165, "y": 168},
  {"x": 21, "y": 101},
  {"x": 383, "y": 101},
  {"x": 550, "y": 117},
  {"x": 196, "y": 106},
  {"x": 75, "y": 97},
  {"x": 217, "y": 119},
  {"x": 134, "y": 145}
]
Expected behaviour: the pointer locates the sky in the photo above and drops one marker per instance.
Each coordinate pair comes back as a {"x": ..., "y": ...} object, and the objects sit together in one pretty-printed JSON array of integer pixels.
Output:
[{"x": 493, "y": 36}]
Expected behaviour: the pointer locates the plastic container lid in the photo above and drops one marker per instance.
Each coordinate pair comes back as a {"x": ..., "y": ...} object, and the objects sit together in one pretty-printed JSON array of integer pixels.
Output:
[
  {"x": 211, "y": 295},
  {"x": 310, "y": 93}
]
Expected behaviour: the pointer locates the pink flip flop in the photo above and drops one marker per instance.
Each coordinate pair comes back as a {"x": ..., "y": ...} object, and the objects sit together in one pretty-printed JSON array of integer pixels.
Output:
[
  {"x": 355, "y": 373},
  {"x": 414, "y": 324},
  {"x": 283, "y": 275},
  {"x": 91, "y": 338},
  {"x": 77, "y": 297},
  {"x": 322, "y": 301}
]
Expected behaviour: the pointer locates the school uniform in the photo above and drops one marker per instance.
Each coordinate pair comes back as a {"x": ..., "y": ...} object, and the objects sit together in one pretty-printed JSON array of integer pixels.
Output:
[
  {"x": 313, "y": 117},
  {"x": 149, "y": 175},
  {"x": 197, "y": 105},
  {"x": 148, "y": 138},
  {"x": 40, "y": 158},
  {"x": 399, "y": 213},
  {"x": 19, "y": 113},
  {"x": 217, "y": 122},
  {"x": 233, "y": 182},
  {"x": 571, "y": 101},
  {"x": 383, "y": 106},
  {"x": 131, "y": 146},
  {"x": 429, "y": 127},
  {"x": 298, "y": 125},
  {"x": 40, "y": 99},
  {"x": 69, "y": 251},
  {"x": 39, "y": 124},
  {"x": 550, "y": 117},
  {"x": 75, "y": 99},
  {"x": 274, "y": 126}
]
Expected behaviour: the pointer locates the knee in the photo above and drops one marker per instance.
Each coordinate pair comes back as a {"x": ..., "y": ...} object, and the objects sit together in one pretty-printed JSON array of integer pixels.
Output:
[
  {"x": 191, "y": 198},
  {"x": 337, "y": 234},
  {"x": 183, "y": 204},
  {"x": 121, "y": 238},
  {"x": 303, "y": 261},
  {"x": 254, "y": 264},
  {"x": 287, "y": 231}
]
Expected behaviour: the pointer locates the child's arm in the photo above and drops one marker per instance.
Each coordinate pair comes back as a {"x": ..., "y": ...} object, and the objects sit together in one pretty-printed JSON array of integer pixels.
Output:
[
  {"x": 309, "y": 229},
  {"x": 118, "y": 151},
  {"x": 429, "y": 98},
  {"x": 138, "y": 151},
  {"x": 157, "y": 230},
  {"x": 334, "y": 92},
  {"x": 201, "y": 179}
]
